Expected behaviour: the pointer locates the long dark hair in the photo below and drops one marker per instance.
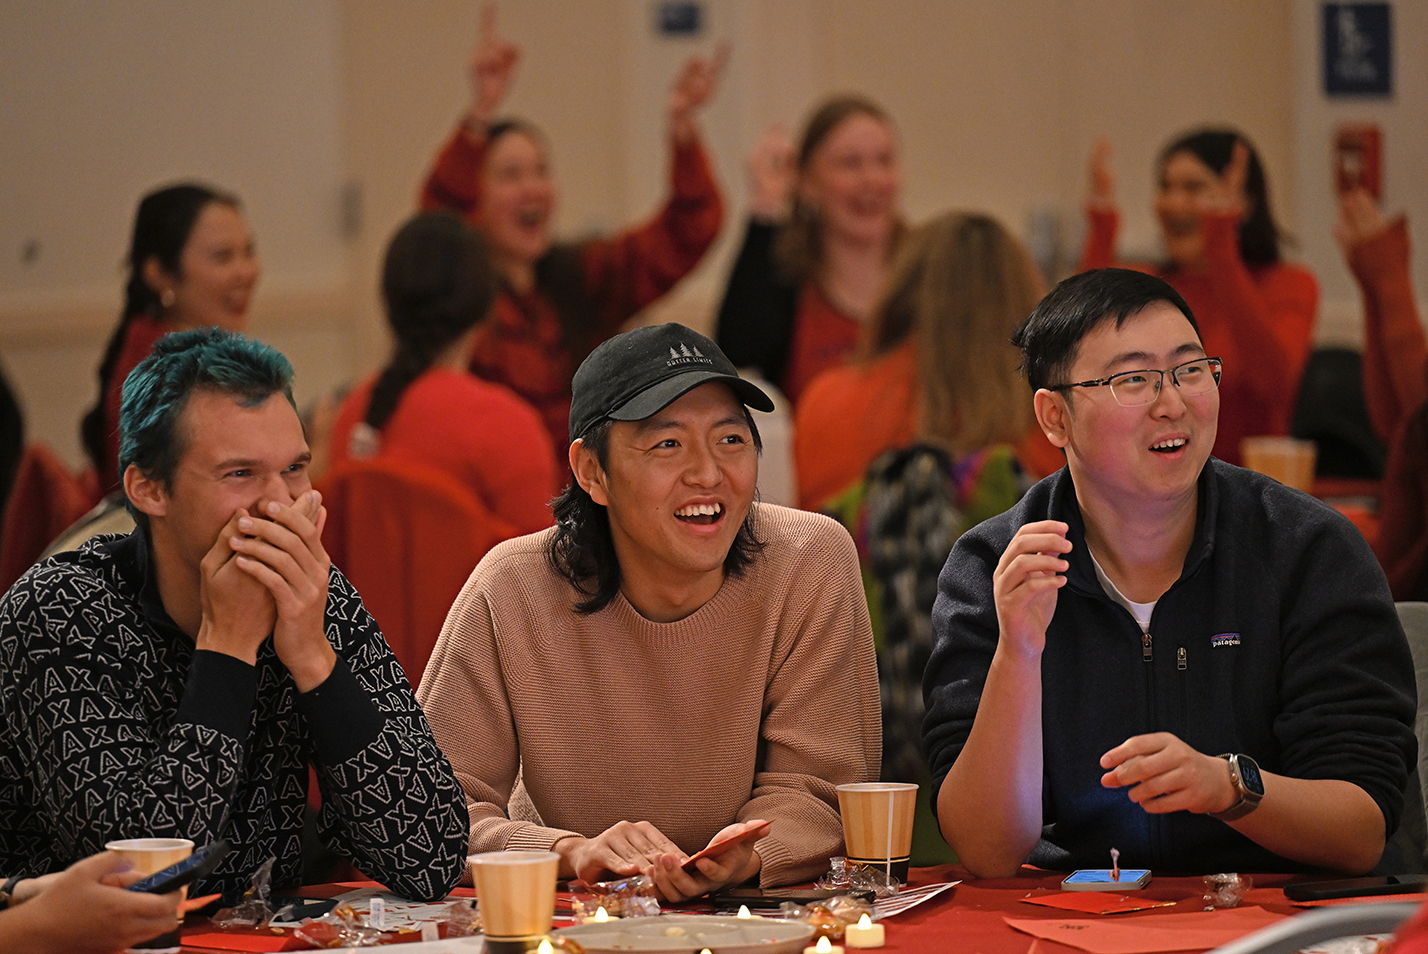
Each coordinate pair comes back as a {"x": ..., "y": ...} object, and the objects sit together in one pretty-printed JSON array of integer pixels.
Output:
[
  {"x": 162, "y": 225},
  {"x": 437, "y": 282},
  {"x": 1260, "y": 235},
  {"x": 582, "y": 548},
  {"x": 558, "y": 273}
]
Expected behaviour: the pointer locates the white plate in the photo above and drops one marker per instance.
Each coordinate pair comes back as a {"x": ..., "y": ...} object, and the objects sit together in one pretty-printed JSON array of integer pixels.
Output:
[{"x": 693, "y": 932}]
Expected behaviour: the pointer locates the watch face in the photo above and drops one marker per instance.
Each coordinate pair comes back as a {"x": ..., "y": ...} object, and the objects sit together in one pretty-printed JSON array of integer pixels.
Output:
[{"x": 1249, "y": 774}]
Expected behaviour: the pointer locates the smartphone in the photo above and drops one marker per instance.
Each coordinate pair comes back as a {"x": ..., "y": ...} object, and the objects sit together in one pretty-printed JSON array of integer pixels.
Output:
[
  {"x": 1355, "y": 887},
  {"x": 192, "y": 868},
  {"x": 755, "y": 899},
  {"x": 719, "y": 847},
  {"x": 1099, "y": 879},
  {"x": 1358, "y": 158}
]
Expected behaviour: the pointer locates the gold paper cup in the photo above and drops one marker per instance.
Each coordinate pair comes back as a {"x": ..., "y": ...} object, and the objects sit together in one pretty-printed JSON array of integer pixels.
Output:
[
  {"x": 516, "y": 891},
  {"x": 149, "y": 856},
  {"x": 877, "y": 824}
]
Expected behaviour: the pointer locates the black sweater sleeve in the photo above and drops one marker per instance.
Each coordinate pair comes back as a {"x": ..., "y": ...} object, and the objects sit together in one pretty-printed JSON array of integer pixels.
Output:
[{"x": 756, "y": 316}]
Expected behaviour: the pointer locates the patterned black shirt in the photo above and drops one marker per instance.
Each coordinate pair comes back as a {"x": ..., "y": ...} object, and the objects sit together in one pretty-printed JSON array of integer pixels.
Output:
[{"x": 113, "y": 726}]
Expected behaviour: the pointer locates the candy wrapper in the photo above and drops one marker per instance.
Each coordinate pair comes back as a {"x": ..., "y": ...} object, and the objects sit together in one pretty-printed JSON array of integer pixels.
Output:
[
  {"x": 845, "y": 876},
  {"x": 462, "y": 919},
  {"x": 627, "y": 898},
  {"x": 254, "y": 909},
  {"x": 343, "y": 927},
  {"x": 1226, "y": 890},
  {"x": 829, "y": 918}
]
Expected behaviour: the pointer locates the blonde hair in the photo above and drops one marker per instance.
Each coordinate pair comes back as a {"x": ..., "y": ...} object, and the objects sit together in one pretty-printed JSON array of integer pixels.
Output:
[{"x": 959, "y": 288}]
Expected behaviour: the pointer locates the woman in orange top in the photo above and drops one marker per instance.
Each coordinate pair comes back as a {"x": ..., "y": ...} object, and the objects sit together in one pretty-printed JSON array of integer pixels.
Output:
[
  {"x": 1255, "y": 310},
  {"x": 808, "y": 276},
  {"x": 938, "y": 363}
]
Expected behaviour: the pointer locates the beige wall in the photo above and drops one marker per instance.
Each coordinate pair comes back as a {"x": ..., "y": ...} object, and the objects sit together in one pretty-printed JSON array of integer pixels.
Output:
[{"x": 288, "y": 102}]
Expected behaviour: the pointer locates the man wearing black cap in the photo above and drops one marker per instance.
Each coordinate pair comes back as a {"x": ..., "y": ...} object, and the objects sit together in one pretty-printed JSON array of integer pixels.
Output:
[{"x": 671, "y": 664}]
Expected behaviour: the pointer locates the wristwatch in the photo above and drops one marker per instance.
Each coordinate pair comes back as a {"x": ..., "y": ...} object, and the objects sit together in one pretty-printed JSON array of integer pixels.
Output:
[
  {"x": 1245, "y": 777},
  {"x": 7, "y": 891}
]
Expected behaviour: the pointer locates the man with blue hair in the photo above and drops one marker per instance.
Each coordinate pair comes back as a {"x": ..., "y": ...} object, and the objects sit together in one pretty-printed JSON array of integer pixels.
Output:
[{"x": 179, "y": 681}]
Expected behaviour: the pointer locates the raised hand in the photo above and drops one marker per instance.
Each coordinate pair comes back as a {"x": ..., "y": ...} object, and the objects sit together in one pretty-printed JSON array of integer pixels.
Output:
[
  {"x": 1166, "y": 775},
  {"x": 1359, "y": 219},
  {"x": 1102, "y": 179},
  {"x": 697, "y": 82},
  {"x": 771, "y": 174},
  {"x": 1226, "y": 192},
  {"x": 736, "y": 864},
  {"x": 284, "y": 554},
  {"x": 1025, "y": 584},
  {"x": 492, "y": 69},
  {"x": 625, "y": 848}
]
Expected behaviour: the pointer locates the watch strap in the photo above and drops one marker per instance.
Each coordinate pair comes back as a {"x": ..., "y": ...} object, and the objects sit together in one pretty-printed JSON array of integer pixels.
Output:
[
  {"x": 7, "y": 891},
  {"x": 1248, "y": 800}
]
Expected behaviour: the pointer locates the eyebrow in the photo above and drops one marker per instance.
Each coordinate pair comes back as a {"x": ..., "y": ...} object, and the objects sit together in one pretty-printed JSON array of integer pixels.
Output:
[
  {"x": 1190, "y": 347},
  {"x": 669, "y": 423},
  {"x": 235, "y": 463}
]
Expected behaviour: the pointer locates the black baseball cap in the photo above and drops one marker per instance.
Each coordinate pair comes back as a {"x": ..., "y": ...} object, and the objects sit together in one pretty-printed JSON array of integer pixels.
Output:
[{"x": 634, "y": 375}]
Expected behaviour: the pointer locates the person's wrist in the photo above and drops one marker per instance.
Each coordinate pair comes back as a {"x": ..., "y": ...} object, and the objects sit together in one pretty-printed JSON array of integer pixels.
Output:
[
  {"x": 216, "y": 638},
  {"x": 567, "y": 848},
  {"x": 310, "y": 668}
]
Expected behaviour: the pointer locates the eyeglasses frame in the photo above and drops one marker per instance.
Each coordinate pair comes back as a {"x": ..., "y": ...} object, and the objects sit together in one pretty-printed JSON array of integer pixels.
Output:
[{"x": 1217, "y": 367}]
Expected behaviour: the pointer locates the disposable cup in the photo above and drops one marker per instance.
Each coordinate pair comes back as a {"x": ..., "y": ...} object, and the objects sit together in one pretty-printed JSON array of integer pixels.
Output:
[
  {"x": 150, "y": 855},
  {"x": 877, "y": 824},
  {"x": 1288, "y": 460},
  {"x": 516, "y": 891}
]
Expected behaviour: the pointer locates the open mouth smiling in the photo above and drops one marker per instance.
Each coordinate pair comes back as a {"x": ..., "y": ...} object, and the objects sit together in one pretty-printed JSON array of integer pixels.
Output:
[
  {"x": 702, "y": 514},
  {"x": 1169, "y": 444}
]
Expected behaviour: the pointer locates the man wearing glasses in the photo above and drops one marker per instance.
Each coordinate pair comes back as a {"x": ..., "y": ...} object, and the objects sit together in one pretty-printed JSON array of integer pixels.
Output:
[{"x": 1155, "y": 651}]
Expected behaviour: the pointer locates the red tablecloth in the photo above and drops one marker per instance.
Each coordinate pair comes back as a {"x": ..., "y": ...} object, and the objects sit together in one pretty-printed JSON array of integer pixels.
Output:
[{"x": 971, "y": 917}]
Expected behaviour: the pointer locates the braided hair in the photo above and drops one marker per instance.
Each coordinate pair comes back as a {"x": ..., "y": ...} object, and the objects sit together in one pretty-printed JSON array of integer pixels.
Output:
[{"x": 162, "y": 226}]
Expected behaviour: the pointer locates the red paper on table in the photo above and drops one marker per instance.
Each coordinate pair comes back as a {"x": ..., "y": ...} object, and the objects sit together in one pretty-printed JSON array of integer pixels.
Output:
[
  {"x": 1096, "y": 902},
  {"x": 226, "y": 941},
  {"x": 1151, "y": 934}
]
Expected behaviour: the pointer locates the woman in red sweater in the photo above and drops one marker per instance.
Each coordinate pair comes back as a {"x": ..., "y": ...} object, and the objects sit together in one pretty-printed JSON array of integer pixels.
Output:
[
  {"x": 425, "y": 407},
  {"x": 192, "y": 264},
  {"x": 558, "y": 301},
  {"x": 1255, "y": 311}
]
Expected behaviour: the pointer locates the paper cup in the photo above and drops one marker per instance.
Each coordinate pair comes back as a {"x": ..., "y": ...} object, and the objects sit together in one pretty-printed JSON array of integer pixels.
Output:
[
  {"x": 877, "y": 824},
  {"x": 1288, "y": 460},
  {"x": 148, "y": 856},
  {"x": 516, "y": 890}
]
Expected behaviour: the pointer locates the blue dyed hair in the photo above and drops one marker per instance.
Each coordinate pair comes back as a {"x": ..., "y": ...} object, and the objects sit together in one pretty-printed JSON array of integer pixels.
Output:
[{"x": 157, "y": 391}]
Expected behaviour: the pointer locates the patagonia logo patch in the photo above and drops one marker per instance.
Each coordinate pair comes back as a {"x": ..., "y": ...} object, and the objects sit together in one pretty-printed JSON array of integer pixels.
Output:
[{"x": 1225, "y": 639}]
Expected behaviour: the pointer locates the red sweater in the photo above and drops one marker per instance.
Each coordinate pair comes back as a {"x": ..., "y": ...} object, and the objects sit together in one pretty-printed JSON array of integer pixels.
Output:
[
  {"x": 1259, "y": 319},
  {"x": 524, "y": 344},
  {"x": 139, "y": 339},
  {"x": 480, "y": 433},
  {"x": 1395, "y": 389}
]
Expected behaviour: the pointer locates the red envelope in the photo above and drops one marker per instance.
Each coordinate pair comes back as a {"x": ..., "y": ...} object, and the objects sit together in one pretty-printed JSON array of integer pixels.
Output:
[{"x": 1096, "y": 902}]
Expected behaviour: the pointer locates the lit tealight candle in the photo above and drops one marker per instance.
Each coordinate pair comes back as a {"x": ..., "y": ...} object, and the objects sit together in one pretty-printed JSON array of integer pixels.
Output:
[
  {"x": 601, "y": 915},
  {"x": 865, "y": 933},
  {"x": 545, "y": 947},
  {"x": 744, "y": 911},
  {"x": 824, "y": 946}
]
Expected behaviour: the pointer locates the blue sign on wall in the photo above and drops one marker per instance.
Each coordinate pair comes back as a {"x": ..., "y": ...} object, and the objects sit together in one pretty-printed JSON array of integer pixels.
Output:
[{"x": 1358, "y": 49}]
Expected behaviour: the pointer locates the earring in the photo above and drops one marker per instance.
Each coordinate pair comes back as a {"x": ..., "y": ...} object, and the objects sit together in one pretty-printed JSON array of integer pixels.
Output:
[{"x": 166, "y": 298}]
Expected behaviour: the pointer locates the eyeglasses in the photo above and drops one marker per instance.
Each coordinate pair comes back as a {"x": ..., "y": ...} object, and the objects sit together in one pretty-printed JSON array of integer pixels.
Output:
[{"x": 1138, "y": 388}]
